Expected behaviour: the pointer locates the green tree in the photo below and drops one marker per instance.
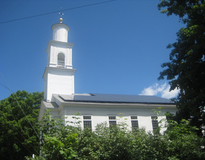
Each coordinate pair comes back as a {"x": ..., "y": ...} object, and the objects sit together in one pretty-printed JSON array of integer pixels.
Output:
[
  {"x": 105, "y": 143},
  {"x": 116, "y": 143},
  {"x": 186, "y": 69},
  {"x": 58, "y": 141},
  {"x": 183, "y": 142},
  {"x": 18, "y": 133}
]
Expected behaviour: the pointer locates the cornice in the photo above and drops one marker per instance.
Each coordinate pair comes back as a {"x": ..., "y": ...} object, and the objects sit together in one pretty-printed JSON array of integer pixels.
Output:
[
  {"x": 123, "y": 105},
  {"x": 58, "y": 69},
  {"x": 59, "y": 43}
]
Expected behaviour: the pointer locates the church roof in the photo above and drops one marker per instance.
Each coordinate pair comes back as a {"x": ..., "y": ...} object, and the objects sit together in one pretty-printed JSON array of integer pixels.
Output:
[{"x": 115, "y": 98}]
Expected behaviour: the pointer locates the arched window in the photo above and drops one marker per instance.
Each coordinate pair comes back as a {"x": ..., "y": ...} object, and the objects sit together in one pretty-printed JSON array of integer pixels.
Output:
[{"x": 61, "y": 59}]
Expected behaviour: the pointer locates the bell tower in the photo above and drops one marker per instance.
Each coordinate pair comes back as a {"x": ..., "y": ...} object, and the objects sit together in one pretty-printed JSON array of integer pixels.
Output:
[{"x": 59, "y": 73}]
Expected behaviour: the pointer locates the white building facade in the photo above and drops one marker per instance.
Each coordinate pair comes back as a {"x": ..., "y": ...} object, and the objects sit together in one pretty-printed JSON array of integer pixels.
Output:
[{"x": 137, "y": 111}]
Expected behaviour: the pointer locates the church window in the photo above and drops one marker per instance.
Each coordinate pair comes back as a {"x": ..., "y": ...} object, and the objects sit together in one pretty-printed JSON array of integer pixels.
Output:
[
  {"x": 112, "y": 120},
  {"x": 154, "y": 122},
  {"x": 61, "y": 59},
  {"x": 134, "y": 122},
  {"x": 87, "y": 123}
]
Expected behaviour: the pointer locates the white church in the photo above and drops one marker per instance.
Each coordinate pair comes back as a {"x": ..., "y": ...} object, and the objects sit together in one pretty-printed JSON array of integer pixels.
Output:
[{"x": 62, "y": 101}]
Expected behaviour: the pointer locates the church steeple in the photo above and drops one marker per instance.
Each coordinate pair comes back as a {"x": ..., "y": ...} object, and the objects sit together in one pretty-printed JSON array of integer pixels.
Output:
[{"x": 59, "y": 73}]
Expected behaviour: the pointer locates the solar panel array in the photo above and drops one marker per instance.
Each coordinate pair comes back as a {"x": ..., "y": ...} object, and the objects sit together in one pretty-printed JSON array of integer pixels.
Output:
[{"x": 115, "y": 98}]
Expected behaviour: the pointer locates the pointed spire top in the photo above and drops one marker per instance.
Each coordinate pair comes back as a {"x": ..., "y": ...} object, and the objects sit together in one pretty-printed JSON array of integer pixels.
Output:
[{"x": 61, "y": 14}]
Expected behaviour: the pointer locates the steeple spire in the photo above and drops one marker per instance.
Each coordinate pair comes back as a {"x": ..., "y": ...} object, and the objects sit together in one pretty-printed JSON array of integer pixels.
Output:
[{"x": 61, "y": 14}]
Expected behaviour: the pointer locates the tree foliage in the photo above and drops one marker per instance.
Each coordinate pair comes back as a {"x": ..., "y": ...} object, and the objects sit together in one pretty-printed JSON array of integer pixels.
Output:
[
  {"x": 186, "y": 69},
  {"x": 58, "y": 141},
  {"x": 116, "y": 142},
  {"x": 17, "y": 137}
]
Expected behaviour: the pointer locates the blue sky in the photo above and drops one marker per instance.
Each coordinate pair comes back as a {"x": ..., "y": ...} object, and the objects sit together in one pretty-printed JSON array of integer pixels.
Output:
[{"x": 119, "y": 46}]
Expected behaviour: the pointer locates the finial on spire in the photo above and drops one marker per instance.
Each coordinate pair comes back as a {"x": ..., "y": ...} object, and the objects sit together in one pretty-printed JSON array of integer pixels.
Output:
[{"x": 61, "y": 14}]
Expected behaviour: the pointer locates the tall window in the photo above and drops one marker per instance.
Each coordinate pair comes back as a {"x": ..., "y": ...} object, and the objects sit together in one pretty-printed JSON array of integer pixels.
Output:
[
  {"x": 112, "y": 120},
  {"x": 134, "y": 122},
  {"x": 61, "y": 59},
  {"x": 154, "y": 122},
  {"x": 87, "y": 123}
]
